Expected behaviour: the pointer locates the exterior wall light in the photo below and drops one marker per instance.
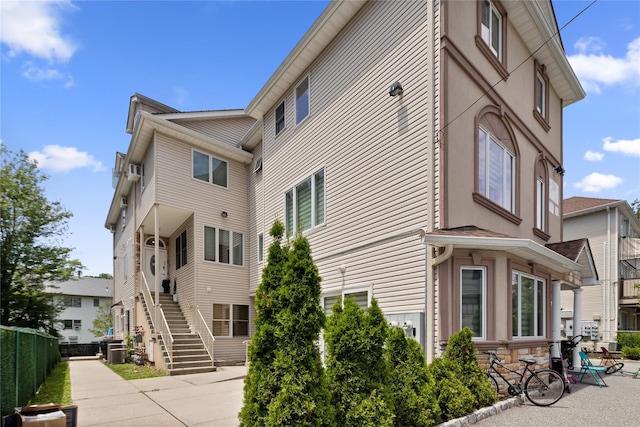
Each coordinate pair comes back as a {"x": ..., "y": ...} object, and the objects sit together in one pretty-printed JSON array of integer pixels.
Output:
[
  {"x": 395, "y": 89},
  {"x": 224, "y": 214}
]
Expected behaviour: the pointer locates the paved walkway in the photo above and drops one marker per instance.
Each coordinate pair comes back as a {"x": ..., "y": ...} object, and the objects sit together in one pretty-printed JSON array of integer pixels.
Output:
[
  {"x": 214, "y": 399},
  {"x": 105, "y": 399}
]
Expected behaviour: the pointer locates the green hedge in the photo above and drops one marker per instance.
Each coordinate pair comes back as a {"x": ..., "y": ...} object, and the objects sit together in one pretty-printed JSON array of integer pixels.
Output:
[
  {"x": 628, "y": 339},
  {"x": 27, "y": 357}
]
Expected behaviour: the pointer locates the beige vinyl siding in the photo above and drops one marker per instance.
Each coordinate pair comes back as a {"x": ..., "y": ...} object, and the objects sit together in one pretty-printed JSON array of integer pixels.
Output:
[
  {"x": 229, "y": 131},
  {"x": 373, "y": 148},
  {"x": 148, "y": 196},
  {"x": 228, "y": 283},
  {"x": 257, "y": 222}
]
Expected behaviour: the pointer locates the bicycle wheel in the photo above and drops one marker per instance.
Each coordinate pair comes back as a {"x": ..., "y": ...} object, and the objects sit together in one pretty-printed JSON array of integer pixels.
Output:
[
  {"x": 614, "y": 368},
  {"x": 544, "y": 387},
  {"x": 494, "y": 384}
]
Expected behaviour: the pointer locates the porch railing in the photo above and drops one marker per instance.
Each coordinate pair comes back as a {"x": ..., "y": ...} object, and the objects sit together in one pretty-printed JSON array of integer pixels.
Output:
[
  {"x": 158, "y": 320},
  {"x": 202, "y": 329},
  {"x": 629, "y": 289}
]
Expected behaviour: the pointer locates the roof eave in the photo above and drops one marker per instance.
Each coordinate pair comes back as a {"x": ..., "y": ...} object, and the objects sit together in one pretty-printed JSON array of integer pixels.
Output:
[
  {"x": 524, "y": 248},
  {"x": 336, "y": 15}
]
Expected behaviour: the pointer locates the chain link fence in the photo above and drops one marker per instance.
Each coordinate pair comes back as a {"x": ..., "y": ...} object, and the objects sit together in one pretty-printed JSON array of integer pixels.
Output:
[{"x": 27, "y": 356}]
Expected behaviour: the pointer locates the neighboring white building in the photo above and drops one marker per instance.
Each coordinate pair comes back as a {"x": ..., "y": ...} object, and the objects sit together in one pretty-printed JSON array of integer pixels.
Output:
[
  {"x": 613, "y": 231},
  {"x": 82, "y": 297}
]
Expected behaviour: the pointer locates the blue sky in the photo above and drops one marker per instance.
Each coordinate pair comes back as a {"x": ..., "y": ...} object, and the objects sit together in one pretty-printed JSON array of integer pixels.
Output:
[{"x": 69, "y": 68}]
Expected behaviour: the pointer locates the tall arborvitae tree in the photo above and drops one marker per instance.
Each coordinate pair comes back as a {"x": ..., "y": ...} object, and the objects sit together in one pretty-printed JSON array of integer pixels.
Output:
[
  {"x": 260, "y": 385},
  {"x": 303, "y": 397},
  {"x": 356, "y": 369},
  {"x": 412, "y": 387},
  {"x": 30, "y": 252},
  {"x": 461, "y": 351}
]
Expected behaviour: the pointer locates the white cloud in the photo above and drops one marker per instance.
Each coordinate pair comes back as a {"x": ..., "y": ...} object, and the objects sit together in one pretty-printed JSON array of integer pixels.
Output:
[
  {"x": 593, "y": 156},
  {"x": 64, "y": 159},
  {"x": 34, "y": 27},
  {"x": 626, "y": 147},
  {"x": 38, "y": 74},
  {"x": 596, "y": 182},
  {"x": 594, "y": 68}
]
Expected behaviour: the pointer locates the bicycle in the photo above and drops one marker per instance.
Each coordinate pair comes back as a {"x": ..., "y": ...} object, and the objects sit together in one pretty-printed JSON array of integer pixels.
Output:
[
  {"x": 566, "y": 348},
  {"x": 558, "y": 365},
  {"x": 543, "y": 388}
]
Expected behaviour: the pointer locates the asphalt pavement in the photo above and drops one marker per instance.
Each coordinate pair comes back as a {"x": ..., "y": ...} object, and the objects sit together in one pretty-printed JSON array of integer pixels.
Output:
[{"x": 215, "y": 399}]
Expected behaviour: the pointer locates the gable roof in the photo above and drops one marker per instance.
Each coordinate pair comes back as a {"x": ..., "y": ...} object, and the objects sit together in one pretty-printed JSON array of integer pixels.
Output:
[
  {"x": 577, "y": 204},
  {"x": 84, "y": 286},
  {"x": 579, "y": 251}
]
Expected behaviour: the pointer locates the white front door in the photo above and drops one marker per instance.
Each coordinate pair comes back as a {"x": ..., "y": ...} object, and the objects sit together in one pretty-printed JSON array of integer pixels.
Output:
[{"x": 151, "y": 268}]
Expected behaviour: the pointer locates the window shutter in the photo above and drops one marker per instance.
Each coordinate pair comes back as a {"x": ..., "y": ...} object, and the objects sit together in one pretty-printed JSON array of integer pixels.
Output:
[
  {"x": 209, "y": 243},
  {"x": 319, "y": 197}
]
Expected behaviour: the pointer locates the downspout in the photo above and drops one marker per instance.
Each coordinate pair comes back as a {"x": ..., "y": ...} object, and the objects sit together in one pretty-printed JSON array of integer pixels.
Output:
[
  {"x": 607, "y": 285},
  {"x": 617, "y": 275}
]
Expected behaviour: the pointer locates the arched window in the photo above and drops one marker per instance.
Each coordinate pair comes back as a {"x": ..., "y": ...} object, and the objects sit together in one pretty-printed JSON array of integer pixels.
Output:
[
  {"x": 152, "y": 242},
  {"x": 497, "y": 165}
]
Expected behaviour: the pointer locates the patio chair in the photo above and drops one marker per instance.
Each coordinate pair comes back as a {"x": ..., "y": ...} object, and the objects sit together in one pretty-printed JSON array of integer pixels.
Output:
[
  {"x": 607, "y": 358},
  {"x": 595, "y": 371}
]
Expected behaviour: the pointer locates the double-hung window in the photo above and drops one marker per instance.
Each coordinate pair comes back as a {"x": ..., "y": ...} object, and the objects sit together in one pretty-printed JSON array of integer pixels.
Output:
[
  {"x": 491, "y": 27},
  {"x": 210, "y": 169},
  {"x": 280, "y": 118},
  {"x": 541, "y": 96},
  {"x": 473, "y": 300},
  {"x": 361, "y": 297},
  {"x": 230, "y": 320},
  {"x": 181, "y": 250},
  {"x": 302, "y": 100},
  {"x": 528, "y": 306},
  {"x": 304, "y": 204},
  {"x": 223, "y": 246},
  {"x": 496, "y": 172},
  {"x": 73, "y": 302}
]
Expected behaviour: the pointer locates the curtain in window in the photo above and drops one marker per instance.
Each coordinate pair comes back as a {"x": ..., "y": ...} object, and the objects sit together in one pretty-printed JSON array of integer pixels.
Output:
[
  {"x": 223, "y": 246},
  {"x": 319, "y": 197},
  {"x": 209, "y": 243},
  {"x": 237, "y": 248},
  {"x": 303, "y": 205},
  {"x": 201, "y": 166}
]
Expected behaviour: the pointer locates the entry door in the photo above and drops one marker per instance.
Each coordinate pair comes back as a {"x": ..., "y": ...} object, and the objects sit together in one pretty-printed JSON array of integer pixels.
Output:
[{"x": 152, "y": 267}]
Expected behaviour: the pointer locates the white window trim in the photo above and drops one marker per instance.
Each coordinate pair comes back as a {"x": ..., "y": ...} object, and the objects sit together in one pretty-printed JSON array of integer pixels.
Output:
[
  {"x": 538, "y": 281},
  {"x": 231, "y": 336},
  {"x": 295, "y": 98},
  {"x": 507, "y": 155},
  {"x": 217, "y": 246},
  {"x": 483, "y": 302},
  {"x": 541, "y": 84},
  {"x": 260, "y": 248},
  {"x": 347, "y": 291},
  {"x": 540, "y": 203},
  {"x": 488, "y": 35},
  {"x": 210, "y": 182},
  {"x": 142, "y": 175},
  {"x": 314, "y": 220}
]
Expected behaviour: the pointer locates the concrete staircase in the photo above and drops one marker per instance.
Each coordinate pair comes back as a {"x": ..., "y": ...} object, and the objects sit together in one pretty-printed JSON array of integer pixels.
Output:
[{"x": 189, "y": 353}]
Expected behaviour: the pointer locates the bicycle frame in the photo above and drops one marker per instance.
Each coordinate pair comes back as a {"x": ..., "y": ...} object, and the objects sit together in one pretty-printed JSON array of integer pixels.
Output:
[{"x": 512, "y": 389}]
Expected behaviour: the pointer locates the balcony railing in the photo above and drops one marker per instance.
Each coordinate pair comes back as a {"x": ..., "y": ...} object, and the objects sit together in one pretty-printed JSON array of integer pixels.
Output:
[{"x": 630, "y": 291}]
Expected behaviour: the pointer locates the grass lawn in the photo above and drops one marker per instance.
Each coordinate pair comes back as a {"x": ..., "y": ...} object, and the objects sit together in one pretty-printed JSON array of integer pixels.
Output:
[
  {"x": 56, "y": 387},
  {"x": 129, "y": 371}
]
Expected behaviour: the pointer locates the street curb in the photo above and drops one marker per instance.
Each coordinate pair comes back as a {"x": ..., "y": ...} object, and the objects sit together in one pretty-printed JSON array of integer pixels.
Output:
[{"x": 483, "y": 413}]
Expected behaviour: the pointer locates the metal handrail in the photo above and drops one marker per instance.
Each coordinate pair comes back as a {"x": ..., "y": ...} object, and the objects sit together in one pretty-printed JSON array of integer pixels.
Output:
[
  {"x": 202, "y": 329},
  {"x": 159, "y": 327},
  {"x": 165, "y": 332}
]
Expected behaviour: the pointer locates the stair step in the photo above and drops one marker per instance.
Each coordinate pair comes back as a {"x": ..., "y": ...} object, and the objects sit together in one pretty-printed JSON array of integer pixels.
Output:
[
  {"x": 186, "y": 371},
  {"x": 190, "y": 364}
]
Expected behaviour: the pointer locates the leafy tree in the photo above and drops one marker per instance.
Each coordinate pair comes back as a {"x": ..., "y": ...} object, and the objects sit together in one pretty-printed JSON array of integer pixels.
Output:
[
  {"x": 635, "y": 205},
  {"x": 303, "y": 397},
  {"x": 412, "y": 387},
  {"x": 103, "y": 320},
  {"x": 460, "y": 350},
  {"x": 356, "y": 367},
  {"x": 260, "y": 386},
  {"x": 31, "y": 255}
]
